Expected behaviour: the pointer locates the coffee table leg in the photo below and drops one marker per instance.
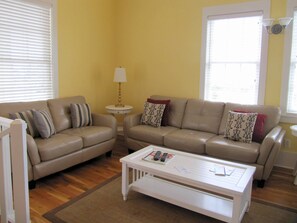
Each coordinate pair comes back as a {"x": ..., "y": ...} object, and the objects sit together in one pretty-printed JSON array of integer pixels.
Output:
[
  {"x": 249, "y": 193},
  {"x": 236, "y": 209},
  {"x": 125, "y": 180}
]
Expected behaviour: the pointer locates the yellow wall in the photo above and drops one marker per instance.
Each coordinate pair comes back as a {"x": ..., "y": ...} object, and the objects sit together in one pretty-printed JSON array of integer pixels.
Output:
[
  {"x": 159, "y": 44},
  {"x": 86, "y": 50},
  {"x": 157, "y": 41}
]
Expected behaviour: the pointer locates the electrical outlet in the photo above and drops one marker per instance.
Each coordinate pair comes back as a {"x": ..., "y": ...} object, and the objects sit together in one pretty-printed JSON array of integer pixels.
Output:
[{"x": 287, "y": 143}]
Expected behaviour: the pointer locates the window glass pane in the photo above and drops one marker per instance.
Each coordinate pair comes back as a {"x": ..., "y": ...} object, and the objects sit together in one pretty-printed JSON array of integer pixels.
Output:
[
  {"x": 292, "y": 85},
  {"x": 233, "y": 59}
]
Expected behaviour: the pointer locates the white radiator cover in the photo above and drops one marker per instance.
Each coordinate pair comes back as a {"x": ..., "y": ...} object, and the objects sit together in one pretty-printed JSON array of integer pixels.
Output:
[{"x": 286, "y": 159}]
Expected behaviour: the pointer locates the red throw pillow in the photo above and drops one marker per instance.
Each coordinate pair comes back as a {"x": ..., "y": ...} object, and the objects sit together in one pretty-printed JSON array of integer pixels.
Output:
[
  {"x": 165, "y": 117},
  {"x": 258, "y": 134}
]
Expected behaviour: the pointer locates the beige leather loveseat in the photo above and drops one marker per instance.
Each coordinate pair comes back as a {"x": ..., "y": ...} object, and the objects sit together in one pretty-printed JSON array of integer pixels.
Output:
[
  {"x": 198, "y": 126},
  {"x": 68, "y": 146}
]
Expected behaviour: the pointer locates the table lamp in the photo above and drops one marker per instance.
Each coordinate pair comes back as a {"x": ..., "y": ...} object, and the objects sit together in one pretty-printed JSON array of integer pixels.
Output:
[{"x": 120, "y": 77}]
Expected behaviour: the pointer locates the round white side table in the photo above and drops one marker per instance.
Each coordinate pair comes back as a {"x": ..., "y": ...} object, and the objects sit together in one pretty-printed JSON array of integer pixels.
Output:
[
  {"x": 112, "y": 109},
  {"x": 294, "y": 133}
]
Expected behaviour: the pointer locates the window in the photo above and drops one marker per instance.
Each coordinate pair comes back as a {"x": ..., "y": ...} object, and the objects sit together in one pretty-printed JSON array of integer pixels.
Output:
[
  {"x": 289, "y": 84},
  {"x": 28, "y": 67},
  {"x": 233, "y": 61}
]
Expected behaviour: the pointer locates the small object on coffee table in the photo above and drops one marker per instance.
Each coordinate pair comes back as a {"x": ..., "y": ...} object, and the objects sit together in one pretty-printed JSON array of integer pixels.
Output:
[
  {"x": 157, "y": 155},
  {"x": 164, "y": 156},
  {"x": 219, "y": 170}
]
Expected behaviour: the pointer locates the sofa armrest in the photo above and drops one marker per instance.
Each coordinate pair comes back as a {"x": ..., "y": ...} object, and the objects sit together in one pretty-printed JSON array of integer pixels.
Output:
[
  {"x": 32, "y": 150},
  {"x": 130, "y": 121},
  {"x": 273, "y": 155},
  {"x": 30, "y": 169},
  {"x": 267, "y": 144},
  {"x": 105, "y": 120}
]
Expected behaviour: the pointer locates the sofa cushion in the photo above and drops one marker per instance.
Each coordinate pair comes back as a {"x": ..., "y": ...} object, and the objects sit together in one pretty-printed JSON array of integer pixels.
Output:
[
  {"x": 80, "y": 115},
  {"x": 27, "y": 116},
  {"x": 91, "y": 135},
  {"x": 152, "y": 114},
  {"x": 203, "y": 115},
  {"x": 187, "y": 140},
  {"x": 223, "y": 148},
  {"x": 240, "y": 126},
  {"x": 273, "y": 115},
  {"x": 60, "y": 111},
  {"x": 44, "y": 123},
  {"x": 176, "y": 109},
  {"x": 57, "y": 146},
  {"x": 150, "y": 134},
  {"x": 165, "y": 116}
]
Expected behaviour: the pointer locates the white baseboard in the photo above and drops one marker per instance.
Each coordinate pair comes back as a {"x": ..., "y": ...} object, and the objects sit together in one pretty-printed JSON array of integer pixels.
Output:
[{"x": 286, "y": 159}]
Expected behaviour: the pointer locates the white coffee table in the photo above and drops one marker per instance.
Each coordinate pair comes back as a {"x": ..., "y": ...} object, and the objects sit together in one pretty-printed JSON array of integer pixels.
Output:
[{"x": 187, "y": 181}]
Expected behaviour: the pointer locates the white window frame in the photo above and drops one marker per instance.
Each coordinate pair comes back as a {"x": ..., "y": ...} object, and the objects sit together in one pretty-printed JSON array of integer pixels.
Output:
[
  {"x": 54, "y": 48},
  {"x": 227, "y": 11},
  {"x": 287, "y": 117}
]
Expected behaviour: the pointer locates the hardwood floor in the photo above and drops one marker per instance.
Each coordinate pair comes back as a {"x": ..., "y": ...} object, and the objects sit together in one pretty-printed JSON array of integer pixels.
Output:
[{"x": 59, "y": 188}]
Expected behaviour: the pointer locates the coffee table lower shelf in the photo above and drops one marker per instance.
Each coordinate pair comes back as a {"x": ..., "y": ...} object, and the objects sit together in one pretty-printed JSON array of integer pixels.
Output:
[{"x": 193, "y": 199}]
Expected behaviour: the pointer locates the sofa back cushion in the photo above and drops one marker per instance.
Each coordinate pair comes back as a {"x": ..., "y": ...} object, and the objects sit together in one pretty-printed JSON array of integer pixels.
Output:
[
  {"x": 176, "y": 109},
  {"x": 203, "y": 115},
  {"x": 13, "y": 107},
  {"x": 272, "y": 113},
  {"x": 60, "y": 111}
]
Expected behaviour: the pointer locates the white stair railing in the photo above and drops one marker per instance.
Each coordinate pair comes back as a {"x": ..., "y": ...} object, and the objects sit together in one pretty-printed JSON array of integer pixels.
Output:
[{"x": 14, "y": 193}]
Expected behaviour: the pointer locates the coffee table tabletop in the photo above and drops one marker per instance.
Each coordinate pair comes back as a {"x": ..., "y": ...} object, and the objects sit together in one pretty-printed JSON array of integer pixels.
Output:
[{"x": 188, "y": 180}]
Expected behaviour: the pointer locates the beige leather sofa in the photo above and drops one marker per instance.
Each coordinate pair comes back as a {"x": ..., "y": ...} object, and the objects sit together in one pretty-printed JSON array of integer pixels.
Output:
[
  {"x": 198, "y": 126},
  {"x": 69, "y": 146}
]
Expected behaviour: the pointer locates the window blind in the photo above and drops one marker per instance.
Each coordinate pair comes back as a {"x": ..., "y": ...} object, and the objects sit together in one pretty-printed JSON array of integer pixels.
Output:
[
  {"x": 26, "y": 65},
  {"x": 292, "y": 85},
  {"x": 233, "y": 54}
]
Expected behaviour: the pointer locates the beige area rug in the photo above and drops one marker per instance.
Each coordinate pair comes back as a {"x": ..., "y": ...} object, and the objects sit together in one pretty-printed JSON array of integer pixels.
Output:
[{"x": 105, "y": 204}]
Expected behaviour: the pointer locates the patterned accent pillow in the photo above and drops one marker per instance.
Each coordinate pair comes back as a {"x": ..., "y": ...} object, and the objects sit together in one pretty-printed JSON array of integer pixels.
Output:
[
  {"x": 27, "y": 116},
  {"x": 44, "y": 124},
  {"x": 152, "y": 114},
  {"x": 80, "y": 115},
  {"x": 240, "y": 126},
  {"x": 165, "y": 117},
  {"x": 258, "y": 134}
]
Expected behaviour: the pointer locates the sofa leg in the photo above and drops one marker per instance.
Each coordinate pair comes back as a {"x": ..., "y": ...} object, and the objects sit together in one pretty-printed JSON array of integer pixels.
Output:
[
  {"x": 32, "y": 184},
  {"x": 130, "y": 151},
  {"x": 260, "y": 183},
  {"x": 109, "y": 153}
]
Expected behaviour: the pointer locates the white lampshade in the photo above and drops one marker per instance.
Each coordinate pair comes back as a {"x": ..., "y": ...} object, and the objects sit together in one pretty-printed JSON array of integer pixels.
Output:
[
  {"x": 285, "y": 21},
  {"x": 267, "y": 22},
  {"x": 120, "y": 75}
]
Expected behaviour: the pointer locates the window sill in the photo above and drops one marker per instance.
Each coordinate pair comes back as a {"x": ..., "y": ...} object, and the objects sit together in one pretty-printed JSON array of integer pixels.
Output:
[{"x": 289, "y": 119}]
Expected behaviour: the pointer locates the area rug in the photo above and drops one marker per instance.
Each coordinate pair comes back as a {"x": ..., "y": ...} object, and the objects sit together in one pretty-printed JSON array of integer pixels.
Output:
[{"x": 105, "y": 204}]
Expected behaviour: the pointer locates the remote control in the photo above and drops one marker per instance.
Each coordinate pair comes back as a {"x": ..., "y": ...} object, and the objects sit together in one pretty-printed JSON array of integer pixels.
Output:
[
  {"x": 164, "y": 156},
  {"x": 157, "y": 155}
]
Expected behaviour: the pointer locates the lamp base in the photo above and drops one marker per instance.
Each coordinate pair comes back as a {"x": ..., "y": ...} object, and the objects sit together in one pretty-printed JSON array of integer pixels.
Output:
[{"x": 120, "y": 105}]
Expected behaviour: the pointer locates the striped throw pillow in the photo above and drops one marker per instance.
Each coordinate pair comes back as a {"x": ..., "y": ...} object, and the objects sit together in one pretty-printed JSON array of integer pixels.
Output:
[
  {"x": 80, "y": 115},
  {"x": 44, "y": 123},
  {"x": 27, "y": 116}
]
